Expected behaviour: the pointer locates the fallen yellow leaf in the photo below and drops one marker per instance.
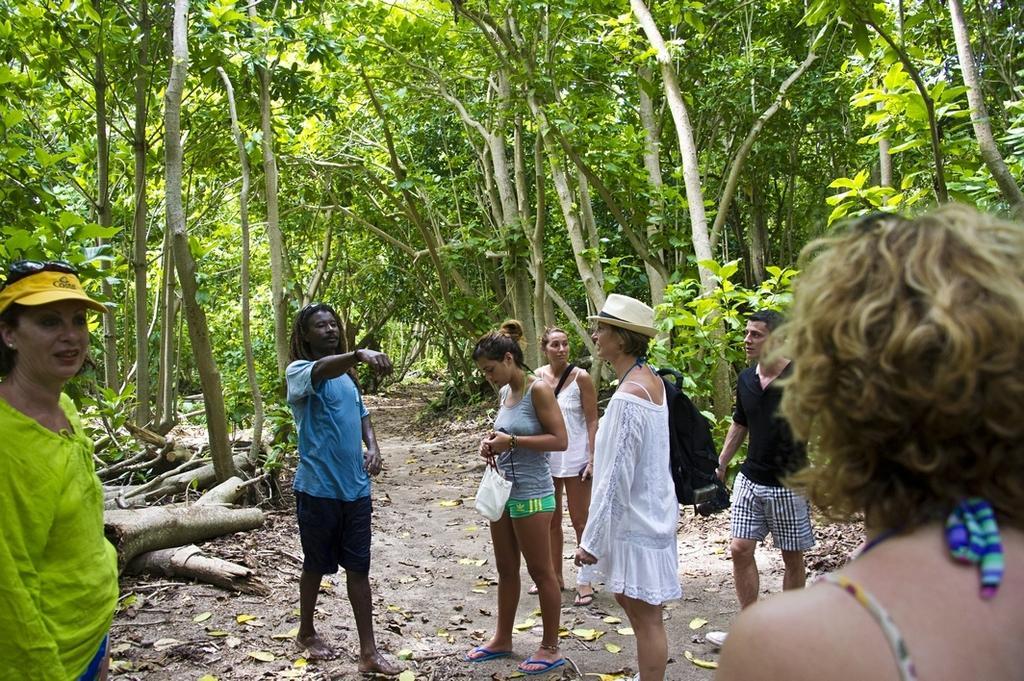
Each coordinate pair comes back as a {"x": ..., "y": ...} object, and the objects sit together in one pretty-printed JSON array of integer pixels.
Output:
[
  {"x": 611, "y": 620},
  {"x": 479, "y": 591},
  {"x": 291, "y": 633},
  {"x": 587, "y": 634},
  {"x": 703, "y": 664},
  {"x": 208, "y": 677},
  {"x": 202, "y": 617},
  {"x": 472, "y": 561},
  {"x": 242, "y": 619},
  {"x": 625, "y": 631},
  {"x": 404, "y": 654},
  {"x": 407, "y": 675},
  {"x": 612, "y": 648},
  {"x": 262, "y": 656},
  {"x": 449, "y": 503},
  {"x": 300, "y": 663},
  {"x": 526, "y": 624},
  {"x": 697, "y": 623},
  {"x": 216, "y": 632}
]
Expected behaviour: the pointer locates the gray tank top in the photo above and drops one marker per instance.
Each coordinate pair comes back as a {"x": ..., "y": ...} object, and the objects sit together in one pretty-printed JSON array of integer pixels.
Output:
[{"x": 527, "y": 468}]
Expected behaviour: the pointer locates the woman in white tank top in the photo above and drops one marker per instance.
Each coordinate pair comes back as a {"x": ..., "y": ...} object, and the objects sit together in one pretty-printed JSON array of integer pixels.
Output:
[{"x": 571, "y": 470}]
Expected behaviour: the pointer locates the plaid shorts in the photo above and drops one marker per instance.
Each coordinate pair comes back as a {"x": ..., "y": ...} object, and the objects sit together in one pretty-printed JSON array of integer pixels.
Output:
[{"x": 760, "y": 509}]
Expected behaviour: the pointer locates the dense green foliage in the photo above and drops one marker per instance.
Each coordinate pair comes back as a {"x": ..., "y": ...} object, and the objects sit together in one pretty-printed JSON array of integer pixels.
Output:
[{"x": 393, "y": 124}]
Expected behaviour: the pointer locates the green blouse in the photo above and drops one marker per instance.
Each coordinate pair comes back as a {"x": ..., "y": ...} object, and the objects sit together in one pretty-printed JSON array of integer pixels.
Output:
[{"x": 58, "y": 573}]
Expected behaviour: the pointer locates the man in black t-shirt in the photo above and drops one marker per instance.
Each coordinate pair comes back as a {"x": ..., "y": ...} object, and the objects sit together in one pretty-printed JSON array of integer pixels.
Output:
[{"x": 760, "y": 503}]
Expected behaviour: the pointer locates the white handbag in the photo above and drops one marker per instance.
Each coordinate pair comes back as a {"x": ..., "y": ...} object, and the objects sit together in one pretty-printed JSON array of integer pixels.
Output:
[{"x": 492, "y": 494}]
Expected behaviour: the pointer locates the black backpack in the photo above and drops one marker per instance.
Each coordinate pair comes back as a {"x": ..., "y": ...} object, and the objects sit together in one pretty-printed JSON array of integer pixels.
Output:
[{"x": 693, "y": 457}]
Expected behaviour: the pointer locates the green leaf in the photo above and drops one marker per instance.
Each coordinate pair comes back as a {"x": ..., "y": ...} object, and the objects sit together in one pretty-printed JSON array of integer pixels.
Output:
[{"x": 96, "y": 232}]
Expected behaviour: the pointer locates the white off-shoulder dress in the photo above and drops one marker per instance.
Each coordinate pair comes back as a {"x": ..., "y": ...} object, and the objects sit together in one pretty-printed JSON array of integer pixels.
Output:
[{"x": 631, "y": 529}]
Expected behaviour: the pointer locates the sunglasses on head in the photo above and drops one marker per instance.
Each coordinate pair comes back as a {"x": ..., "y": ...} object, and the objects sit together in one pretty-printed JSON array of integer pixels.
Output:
[{"x": 19, "y": 269}]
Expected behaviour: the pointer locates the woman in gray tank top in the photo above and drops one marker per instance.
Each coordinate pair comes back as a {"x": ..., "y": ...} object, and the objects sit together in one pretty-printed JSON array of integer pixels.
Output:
[{"x": 528, "y": 426}]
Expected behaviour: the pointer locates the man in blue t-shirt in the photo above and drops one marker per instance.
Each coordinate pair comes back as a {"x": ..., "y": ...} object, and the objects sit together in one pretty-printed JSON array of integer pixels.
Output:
[
  {"x": 332, "y": 481},
  {"x": 761, "y": 504}
]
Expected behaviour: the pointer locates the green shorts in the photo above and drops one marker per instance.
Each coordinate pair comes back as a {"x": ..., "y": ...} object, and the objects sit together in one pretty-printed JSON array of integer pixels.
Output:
[{"x": 524, "y": 508}]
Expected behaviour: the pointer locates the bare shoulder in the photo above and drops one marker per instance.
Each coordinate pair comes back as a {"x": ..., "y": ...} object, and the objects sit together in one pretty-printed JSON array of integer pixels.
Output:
[
  {"x": 645, "y": 386},
  {"x": 542, "y": 389},
  {"x": 796, "y": 635}
]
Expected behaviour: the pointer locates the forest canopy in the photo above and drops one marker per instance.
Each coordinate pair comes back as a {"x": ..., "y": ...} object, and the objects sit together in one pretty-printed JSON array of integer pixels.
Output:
[{"x": 430, "y": 168}]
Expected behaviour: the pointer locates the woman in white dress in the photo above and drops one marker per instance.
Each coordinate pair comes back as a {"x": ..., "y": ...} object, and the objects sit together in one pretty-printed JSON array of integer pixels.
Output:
[
  {"x": 630, "y": 537},
  {"x": 573, "y": 469}
]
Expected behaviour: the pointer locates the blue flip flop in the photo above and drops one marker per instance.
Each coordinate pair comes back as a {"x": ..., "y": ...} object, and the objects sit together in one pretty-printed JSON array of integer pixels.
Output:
[
  {"x": 545, "y": 666},
  {"x": 488, "y": 654}
]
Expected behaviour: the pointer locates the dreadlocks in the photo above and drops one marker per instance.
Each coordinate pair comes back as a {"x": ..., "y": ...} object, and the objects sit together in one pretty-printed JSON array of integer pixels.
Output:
[{"x": 299, "y": 347}]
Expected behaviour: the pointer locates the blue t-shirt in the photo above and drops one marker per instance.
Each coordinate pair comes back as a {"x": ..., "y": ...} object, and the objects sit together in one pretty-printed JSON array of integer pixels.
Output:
[{"x": 329, "y": 418}]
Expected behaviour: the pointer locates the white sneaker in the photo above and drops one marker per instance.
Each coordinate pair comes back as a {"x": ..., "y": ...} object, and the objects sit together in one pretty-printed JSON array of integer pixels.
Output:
[{"x": 716, "y": 638}]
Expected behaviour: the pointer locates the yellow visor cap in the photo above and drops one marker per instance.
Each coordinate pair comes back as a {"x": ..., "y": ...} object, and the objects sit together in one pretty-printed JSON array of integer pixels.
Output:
[{"x": 46, "y": 287}]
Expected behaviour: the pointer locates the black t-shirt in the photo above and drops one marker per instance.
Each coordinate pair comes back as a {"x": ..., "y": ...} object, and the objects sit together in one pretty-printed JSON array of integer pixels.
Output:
[{"x": 771, "y": 451}]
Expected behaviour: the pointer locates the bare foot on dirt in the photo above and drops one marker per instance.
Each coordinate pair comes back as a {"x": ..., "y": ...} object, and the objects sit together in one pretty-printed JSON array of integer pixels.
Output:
[
  {"x": 378, "y": 664},
  {"x": 316, "y": 648}
]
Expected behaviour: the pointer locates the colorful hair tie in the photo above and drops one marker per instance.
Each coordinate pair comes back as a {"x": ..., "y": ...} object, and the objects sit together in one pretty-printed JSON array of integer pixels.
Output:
[{"x": 973, "y": 537}]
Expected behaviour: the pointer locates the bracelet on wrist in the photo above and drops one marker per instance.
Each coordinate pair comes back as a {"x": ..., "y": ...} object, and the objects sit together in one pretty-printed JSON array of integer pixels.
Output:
[{"x": 513, "y": 442}]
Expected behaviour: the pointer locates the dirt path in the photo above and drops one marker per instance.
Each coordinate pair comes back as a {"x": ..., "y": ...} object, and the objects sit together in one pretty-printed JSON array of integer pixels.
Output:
[{"x": 433, "y": 581}]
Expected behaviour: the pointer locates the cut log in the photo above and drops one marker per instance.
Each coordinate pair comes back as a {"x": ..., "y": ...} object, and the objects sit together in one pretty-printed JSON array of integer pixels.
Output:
[
  {"x": 224, "y": 494},
  {"x": 229, "y": 491},
  {"x": 190, "y": 562},
  {"x": 137, "y": 531}
]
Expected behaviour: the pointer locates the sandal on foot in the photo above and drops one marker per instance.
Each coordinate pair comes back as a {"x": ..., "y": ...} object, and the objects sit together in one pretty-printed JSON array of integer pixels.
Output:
[
  {"x": 545, "y": 666},
  {"x": 533, "y": 590},
  {"x": 583, "y": 600},
  {"x": 487, "y": 654}
]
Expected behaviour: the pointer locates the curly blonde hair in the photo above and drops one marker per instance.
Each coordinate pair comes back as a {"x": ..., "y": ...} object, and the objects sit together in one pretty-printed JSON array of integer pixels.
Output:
[{"x": 907, "y": 338}]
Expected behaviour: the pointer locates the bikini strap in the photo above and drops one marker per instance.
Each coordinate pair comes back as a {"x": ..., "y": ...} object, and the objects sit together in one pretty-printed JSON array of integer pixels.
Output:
[
  {"x": 649, "y": 398},
  {"x": 882, "y": 618}
]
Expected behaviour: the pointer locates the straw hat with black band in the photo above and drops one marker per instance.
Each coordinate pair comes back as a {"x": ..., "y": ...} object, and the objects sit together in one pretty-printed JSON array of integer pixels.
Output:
[
  {"x": 46, "y": 286},
  {"x": 627, "y": 313}
]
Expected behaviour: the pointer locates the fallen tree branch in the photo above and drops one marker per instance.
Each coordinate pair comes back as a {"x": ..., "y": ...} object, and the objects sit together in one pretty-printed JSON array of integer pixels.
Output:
[
  {"x": 136, "y": 531},
  {"x": 190, "y": 562},
  {"x": 179, "y": 479},
  {"x": 147, "y": 457}
]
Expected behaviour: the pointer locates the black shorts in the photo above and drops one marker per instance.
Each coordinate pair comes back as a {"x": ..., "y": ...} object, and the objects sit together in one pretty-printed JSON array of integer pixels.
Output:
[{"x": 333, "y": 533}]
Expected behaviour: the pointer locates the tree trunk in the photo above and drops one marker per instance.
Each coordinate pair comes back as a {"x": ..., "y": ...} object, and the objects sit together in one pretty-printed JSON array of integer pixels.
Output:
[
  {"x": 589, "y": 268},
  {"x": 275, "y": 239},
  {"x": 111, "y": 375},
  {"x": 190, "y": 563},
  {"x": 166, "y": 414},
  {"x": 138, "y": 530},
  {"x": 979, "y": 114},
  {"x": 243, "y": 211},
  {"x": 691, "y": 179},
  {"x": 757, "y": 233},
  {"x": 534, "y": 237},
  {"x": 209, "y": 377},
  {"x": 139, "y": 248},
  {"x": 687, "y": 147},
  {"x": 652, "y": 163}
]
